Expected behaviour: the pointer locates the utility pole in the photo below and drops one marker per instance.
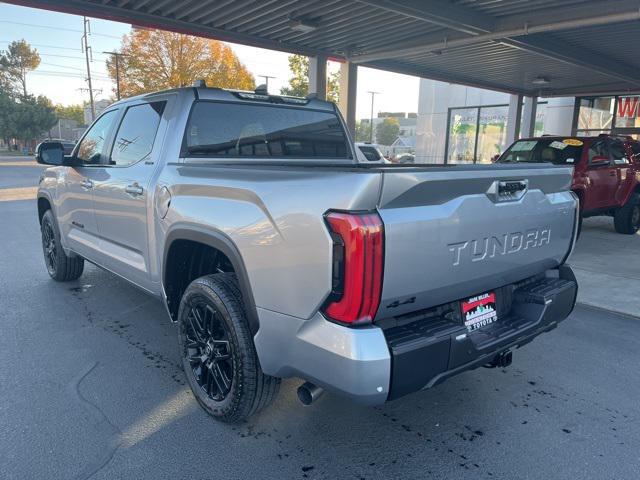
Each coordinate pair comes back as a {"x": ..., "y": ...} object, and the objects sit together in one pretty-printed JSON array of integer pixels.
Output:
[
  {"x": 117, "y": 56},
  {"x": 373, "y": 94},
  {"x": 88, "y": 53},
  {"x": 266, "y": 80}
]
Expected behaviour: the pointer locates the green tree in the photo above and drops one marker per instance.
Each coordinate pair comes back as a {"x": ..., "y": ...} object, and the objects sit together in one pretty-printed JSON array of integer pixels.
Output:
[
  {"x": 70, "y": 112},
  {"x": 363, "y": 131},
  {"x": 16, "y": 62},
  {"x": 7, "y": 105},
  {"x": 299, "y": 82},
  {"x": 28, "y": 118},
  {"x": 156, "y": 60},
  {"x": 387, "y": 131}
]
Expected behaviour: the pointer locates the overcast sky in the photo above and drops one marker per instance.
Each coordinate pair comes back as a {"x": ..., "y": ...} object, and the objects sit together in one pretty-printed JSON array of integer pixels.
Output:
[{"x": 62, "y": 72}]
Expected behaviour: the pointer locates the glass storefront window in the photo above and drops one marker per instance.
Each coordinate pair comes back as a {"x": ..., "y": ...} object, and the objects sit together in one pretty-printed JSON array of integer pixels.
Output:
[
  {"x": 596, "y": 113},
  {"x": 492, "y": 134},
  {"x": 463, "y": 126},
  {"x": 541, "y": 111},
  {"x": 478, "y": 134},
  {"x": 627, "y": 112}
]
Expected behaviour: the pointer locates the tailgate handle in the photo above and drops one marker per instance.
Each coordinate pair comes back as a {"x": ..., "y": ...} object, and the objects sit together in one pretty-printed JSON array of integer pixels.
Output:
[{"x": 507, "y": 190}]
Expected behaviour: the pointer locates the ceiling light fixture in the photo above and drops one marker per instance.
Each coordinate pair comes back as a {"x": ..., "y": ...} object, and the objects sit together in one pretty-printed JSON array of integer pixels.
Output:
[
  {"x": 304, "y": 26},
  {"x": 540, "y": 80}
]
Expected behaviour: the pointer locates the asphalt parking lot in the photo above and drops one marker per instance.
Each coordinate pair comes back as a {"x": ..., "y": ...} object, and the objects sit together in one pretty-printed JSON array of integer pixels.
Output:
[{"x": 91, "y": 388}]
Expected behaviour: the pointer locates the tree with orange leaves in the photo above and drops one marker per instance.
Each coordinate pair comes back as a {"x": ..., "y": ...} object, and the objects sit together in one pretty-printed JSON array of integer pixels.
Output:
[{"x": 155, "y": 60}]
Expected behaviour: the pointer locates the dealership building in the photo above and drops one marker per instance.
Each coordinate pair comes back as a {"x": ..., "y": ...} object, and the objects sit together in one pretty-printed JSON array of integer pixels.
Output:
[{"x": 460, "y": 124}]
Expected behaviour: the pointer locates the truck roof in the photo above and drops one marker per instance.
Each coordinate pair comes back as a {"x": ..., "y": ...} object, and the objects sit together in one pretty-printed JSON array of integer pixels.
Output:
[{"x": 232, "y": 95}]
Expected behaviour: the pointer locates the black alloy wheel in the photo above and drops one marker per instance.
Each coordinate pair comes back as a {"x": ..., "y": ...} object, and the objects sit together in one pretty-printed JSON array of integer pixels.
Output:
[
  {"x": 208, "y": 350},
  {"x": 49, "y": 248},
  {"x": 60, "y": 266},
  {"x": 218, "y": 354}
]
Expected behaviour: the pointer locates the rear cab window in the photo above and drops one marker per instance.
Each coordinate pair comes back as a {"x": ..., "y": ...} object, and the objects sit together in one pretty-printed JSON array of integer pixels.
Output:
[
  {"x": 559, "y": 151},
  {"x": 222, "y": 129}
]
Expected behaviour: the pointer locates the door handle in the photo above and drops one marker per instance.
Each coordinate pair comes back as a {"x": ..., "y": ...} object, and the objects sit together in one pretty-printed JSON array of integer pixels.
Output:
[
  {"x": 134, "y": 189},
  {"x": 86, "y": 184}
]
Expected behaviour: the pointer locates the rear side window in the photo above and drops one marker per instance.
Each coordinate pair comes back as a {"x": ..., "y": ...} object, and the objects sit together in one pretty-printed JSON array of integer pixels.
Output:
[
  {"x": 136, "y": 134},
  {"x": 218, "y": 129}
]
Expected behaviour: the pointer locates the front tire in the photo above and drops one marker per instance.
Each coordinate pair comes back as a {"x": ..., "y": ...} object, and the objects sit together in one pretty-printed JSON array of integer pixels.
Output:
[
  {"x": 217, "y": 350},
  {"x": 60, "y": 266},
  {"x": 627, "y": 219}
]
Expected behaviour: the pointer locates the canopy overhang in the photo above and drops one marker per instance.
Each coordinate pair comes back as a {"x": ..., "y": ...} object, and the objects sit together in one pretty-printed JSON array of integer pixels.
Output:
[{"x": 533, "y": 48}]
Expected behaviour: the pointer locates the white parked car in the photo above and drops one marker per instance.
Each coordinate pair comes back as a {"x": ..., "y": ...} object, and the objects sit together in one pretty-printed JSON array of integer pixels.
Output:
[{"x": 369, "y": 153}]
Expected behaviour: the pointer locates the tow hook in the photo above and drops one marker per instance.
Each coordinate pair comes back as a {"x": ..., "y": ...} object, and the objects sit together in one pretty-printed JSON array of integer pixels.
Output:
[{"x": 502, "y": 360}]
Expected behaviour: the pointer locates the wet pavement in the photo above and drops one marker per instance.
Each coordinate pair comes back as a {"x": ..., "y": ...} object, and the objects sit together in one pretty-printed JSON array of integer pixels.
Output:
[{"x": 91, "y": 388}]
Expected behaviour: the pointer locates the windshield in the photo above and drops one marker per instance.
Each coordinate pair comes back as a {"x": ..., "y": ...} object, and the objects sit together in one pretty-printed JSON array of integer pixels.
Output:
[{"x": 552, "y": 150}]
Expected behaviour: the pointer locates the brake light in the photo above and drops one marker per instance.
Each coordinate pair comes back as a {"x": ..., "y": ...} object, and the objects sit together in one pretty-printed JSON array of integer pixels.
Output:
[{"x": 357, "y": 266}]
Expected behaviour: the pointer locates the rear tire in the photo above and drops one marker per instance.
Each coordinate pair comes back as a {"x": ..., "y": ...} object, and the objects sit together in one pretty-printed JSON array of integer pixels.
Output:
[
  {"x": 60, "y": 266},
  {"x": 217, "y": 350},
  {"x": 627, "y": 219}
]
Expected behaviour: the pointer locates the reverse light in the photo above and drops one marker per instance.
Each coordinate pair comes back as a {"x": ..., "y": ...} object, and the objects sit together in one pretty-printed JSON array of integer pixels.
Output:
[{"x": 357, "y": 266}]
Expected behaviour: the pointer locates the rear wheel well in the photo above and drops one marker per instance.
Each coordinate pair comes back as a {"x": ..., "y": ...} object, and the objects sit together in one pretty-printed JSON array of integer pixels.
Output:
[
  {"x": 43, "y": 206},
  {"x": 185, "y": 261}
]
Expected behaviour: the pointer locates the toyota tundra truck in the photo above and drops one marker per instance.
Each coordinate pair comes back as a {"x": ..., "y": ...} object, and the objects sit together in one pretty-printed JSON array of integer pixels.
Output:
[{"x": 278, "y": 254}]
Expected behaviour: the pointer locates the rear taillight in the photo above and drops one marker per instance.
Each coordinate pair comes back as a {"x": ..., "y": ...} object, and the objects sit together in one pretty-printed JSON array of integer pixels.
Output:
[{"x": 357, "y": 266}]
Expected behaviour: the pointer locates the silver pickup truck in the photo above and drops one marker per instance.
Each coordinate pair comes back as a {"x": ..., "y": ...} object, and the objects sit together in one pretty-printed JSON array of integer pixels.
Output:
[{"x": 279, "y": 255}]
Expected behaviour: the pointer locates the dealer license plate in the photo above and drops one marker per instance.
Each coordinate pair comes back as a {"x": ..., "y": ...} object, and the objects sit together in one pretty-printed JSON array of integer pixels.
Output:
[{"x": 479, "y": 311}]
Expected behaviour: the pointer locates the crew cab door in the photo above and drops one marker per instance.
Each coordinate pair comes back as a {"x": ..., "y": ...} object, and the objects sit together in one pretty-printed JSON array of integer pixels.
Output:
[
  {"x": 76, "y": 217},
  {"x": 122, "y": 202},
  {"x": 603, "y": 177}
]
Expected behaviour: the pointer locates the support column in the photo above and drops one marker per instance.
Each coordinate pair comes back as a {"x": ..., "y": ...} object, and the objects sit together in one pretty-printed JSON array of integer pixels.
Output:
[
  {"x": 348, "y": 89},
  {"x": 513, "y": 118},
  {"x": 529, "y": 117},
  {"x": 318, "y": 76}
]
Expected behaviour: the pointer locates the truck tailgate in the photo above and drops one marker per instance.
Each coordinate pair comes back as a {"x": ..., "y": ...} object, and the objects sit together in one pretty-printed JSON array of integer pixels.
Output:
[{"x": 453, "y": 232}]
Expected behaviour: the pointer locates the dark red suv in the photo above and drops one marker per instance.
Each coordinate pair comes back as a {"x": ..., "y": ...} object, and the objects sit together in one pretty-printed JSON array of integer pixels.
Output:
[{"x": 606, "y": 176}]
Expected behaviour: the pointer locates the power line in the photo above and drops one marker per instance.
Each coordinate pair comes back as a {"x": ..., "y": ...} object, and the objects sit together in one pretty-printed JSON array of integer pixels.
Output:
[
  {"x": 56, "y": 73},
  {"x": 58, "y": 28},
  {"x": 42, "y": 45}
]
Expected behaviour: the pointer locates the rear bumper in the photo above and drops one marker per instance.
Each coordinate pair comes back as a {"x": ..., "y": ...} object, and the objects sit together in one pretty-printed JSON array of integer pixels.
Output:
[
  {"x": 371, "y": 365},
  {"x": 427, "y": 353}
]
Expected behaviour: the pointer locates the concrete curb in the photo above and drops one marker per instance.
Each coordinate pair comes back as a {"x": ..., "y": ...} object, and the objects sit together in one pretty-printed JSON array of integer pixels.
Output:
[{"x": 609, "y": 310}]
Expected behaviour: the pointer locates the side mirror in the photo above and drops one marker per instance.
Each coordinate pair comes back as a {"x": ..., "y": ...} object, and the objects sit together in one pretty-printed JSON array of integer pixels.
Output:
[
  {"x": 599, "y": 161},
  {"x": 50, "y": 153}
]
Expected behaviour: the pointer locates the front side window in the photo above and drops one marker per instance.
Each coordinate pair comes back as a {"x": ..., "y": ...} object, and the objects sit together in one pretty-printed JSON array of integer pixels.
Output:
[
  {"x": 218, "y": 129},
  {"x": 635, "y": 152},
  {"x": 619, "y": 153},
  {"x": 598, "y": 148},
  {"x": 136, "y": 134},
  {"x": 92, "y": 145}
]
